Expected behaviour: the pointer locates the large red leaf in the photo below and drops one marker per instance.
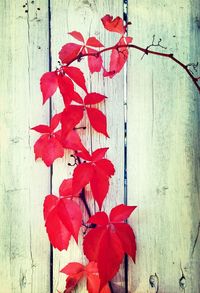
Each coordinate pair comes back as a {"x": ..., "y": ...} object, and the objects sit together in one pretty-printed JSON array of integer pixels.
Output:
[
  {"x": 97, "y": 120},
  {"x": 69, "y": 52},
  {"x": 48, "y": 85},
  {"x": 99, "y": 154},
  {"x": 71, "y": 141},
  {"x": 113, "y": 25},
  {"x": 65, "y": 189},
  {"x": 63, "y": 218},
  {"x": 115, "y": 238},
  {"x": 41, "y": 128},
  {"x": 106, "y": 166},
  {"x": 76, "y": 75}
]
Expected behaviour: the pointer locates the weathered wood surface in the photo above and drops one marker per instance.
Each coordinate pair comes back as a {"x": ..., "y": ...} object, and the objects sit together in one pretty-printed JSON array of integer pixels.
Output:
[
  {"x": 24, "y": 247},
  {"x": 163, "y": 149},
  {"x": 163, "y": 142}
]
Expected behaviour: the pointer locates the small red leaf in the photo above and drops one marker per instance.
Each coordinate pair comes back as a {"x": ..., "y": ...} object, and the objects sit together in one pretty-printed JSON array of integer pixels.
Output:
[
  {"x": 48, "y": 85},
  {"x": 99, "y": 154},
  {"x": 93, "y": 98},
  {"x": 71, "y": 141},
  {"x": 55, "y": 121},
  {"x": 113, "y": 25},
  {"x": 72, "y": 268},
  {"x": 100, "y": 218},
  {"x": 41, "y": 128},
  {"x": 94, "y": 62},
  {"x": 97, "y": 120},
  {"x": 69, "y": 52},
  {"x": 76, "y": 75},
  {"x": 93, "y": 42},
  {"x": 121, "y": 213},
  {"x": 77, "y": 35},
  {"x": 85, "y": 155}
]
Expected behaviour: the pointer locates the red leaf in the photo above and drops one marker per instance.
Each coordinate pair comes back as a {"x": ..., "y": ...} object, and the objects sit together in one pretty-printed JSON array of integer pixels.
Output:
[
  {"x": 107, "y": 243},
  {"x": 82, "y": 176},
  {"x": 72, "y": 141},
  {"x": 108, "y": 263},
  {"x": 41, "y": 128},
  {"x": 99, "y": 154},
  {"x": 66, "y": 87},
  {"x": 97, "y": 120},
  {"x": 55, "y": 120},
  {"x": 127, "y": 237},
  {"x": 76, "y": 75},
  {"x": 93, "y": 98},
  {"x": 71, "y": 116},
  {"x": 63, "y": 218},
  {"x": 72, "y": 268},
  {"x": 93, "y": 42},
  {"x": 100, "y": 218},
  {"x": 52, "y": 150},
  {"x": 117, "y": 60},
  {"x": 121, "y": 213},
  {"x": 76, "y": 271},
  {"x": 48, "y": 148},
  {"x": 65, "y": 188},
  {"x": 77, "y": 35},
  {"x": 92, "y": 242},
  {"x": 99, "y": 185},
  {"x": 94, "y": 62},
  {"x": 69, "y": 52},
  {"x": 48, "y": 85},
  {"x": 106, "y": 166},
  {"x": 59, "y": 235},
  {"x": 113, "y": 25}
]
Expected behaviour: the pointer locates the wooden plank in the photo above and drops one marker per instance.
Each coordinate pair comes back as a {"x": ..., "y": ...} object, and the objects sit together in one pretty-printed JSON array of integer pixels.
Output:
[
  {"x": 163, "y": 149},
  {"x": 84, "y": 16},
  {"x": 24, "y": 248}
]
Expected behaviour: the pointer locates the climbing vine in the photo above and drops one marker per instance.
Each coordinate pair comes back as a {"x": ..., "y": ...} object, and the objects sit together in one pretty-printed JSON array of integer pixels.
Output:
[{"x": 107, "y": 238}]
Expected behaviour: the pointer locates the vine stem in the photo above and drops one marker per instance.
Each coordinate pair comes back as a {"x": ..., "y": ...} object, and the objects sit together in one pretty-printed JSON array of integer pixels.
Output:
[{"x": 146, "y": 51}]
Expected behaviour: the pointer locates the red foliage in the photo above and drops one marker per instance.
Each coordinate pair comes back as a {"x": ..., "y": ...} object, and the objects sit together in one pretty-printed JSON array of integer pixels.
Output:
[
  {"x": 112, "y": 235},
  {"x": 109, "y": 238},
  {"x": 77, "y": 271}
]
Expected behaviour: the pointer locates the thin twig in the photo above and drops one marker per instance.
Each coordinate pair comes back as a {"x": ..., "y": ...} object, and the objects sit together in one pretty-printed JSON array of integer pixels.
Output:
[{"x": 146, "y": 51}]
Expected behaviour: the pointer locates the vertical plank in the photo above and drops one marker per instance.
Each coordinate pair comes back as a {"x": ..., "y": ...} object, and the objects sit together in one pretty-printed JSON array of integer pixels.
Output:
[
  {"x": 24, "y": 248},
  {"x": 84, "y": 16},
  {"x": 163, "y": 149}
]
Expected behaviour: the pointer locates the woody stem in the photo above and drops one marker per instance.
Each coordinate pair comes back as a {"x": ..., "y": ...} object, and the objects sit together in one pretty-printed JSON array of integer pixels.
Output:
[{"x": 146, "y": 51}]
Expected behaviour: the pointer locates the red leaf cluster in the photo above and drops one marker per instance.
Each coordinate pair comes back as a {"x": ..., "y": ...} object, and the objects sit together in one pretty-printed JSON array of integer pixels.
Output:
[
  {"x": 110, "y": 235},
  {"x": 107, "y": 238}
]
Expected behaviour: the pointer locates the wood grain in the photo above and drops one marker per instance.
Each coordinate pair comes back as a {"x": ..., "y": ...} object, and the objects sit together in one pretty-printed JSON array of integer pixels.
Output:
[
  {"x": 24, "y": 247},
  {"x": 163, "y": 149}
]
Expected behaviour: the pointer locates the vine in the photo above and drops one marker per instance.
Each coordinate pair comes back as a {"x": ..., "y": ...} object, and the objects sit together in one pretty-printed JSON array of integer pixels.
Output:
[{"x": 107, "y": 238}]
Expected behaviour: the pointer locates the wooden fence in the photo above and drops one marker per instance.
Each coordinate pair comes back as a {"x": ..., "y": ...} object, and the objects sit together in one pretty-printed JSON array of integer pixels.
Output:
[{"x": 162, "y": 142}]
